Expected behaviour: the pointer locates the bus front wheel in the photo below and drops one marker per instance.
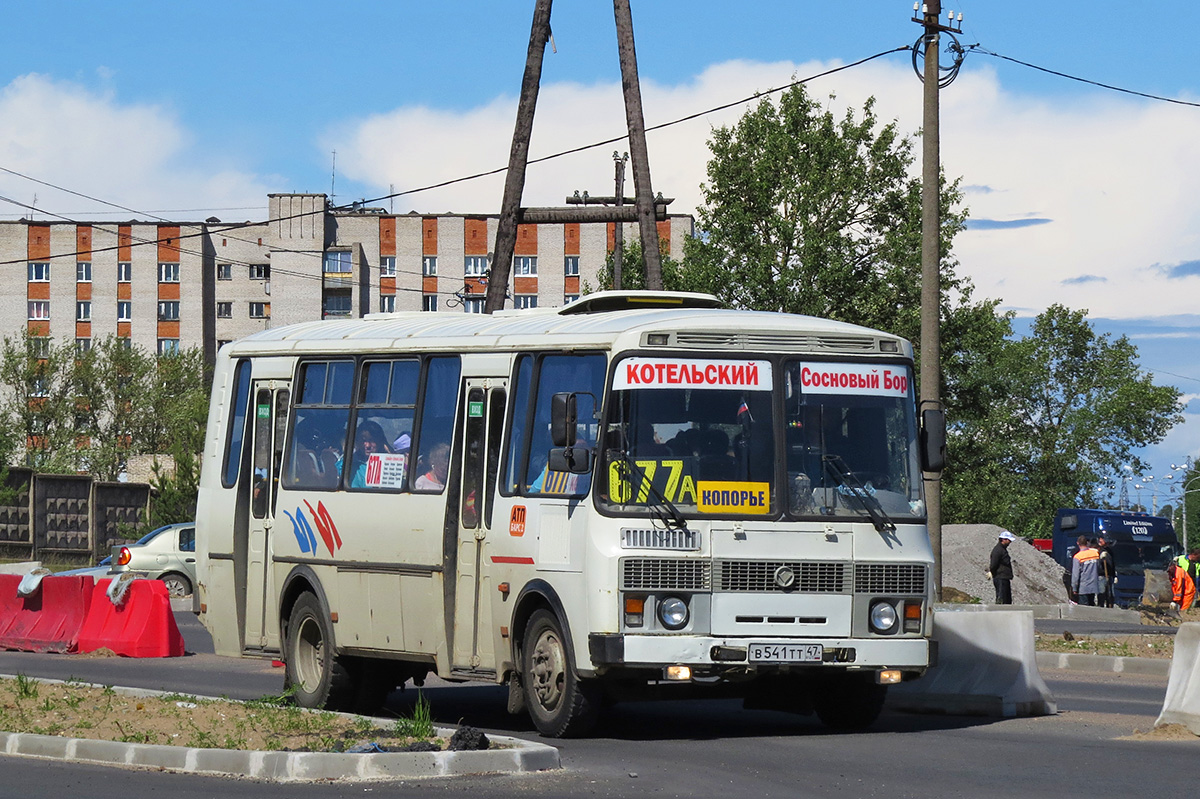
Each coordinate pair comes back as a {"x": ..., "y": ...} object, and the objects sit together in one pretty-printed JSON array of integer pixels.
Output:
[
  {"x": 848, "y": 702},
  {"x": 560, "y": 703},
  {"x": 313, "y": 673}
]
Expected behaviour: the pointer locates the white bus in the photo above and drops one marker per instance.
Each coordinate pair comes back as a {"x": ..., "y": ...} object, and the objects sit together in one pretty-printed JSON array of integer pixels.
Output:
[{"x": 633, "y": 495}]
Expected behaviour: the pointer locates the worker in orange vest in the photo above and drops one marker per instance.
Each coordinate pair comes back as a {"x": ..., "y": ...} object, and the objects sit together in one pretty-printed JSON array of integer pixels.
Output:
[
  {"x": 1183, "y": 589},
  {"x": 1085, "y": 575}
]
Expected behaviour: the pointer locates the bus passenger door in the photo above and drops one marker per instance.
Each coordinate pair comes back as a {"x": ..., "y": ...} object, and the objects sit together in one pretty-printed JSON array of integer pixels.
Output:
[
  {"x": 482, "y": 421},
  {"x": 271, "y": 400}
]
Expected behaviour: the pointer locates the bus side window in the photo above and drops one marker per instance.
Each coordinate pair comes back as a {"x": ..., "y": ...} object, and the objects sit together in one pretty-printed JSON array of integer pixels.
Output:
[
  {"x": 583, "y": 375},
  {"x": 439, "y": 398},
  {"x": 386, "y": 407},
  {"x": 237, "y": 424},
  {"x": 322, "y": 416},
  {"x": 521, "y": 410}
]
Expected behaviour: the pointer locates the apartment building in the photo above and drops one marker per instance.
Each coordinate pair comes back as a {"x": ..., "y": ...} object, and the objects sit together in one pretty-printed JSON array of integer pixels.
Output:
[{"x": 200, "y": 284}]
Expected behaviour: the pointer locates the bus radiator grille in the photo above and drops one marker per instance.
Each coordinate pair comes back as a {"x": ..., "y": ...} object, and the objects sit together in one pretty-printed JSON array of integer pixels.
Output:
[
  {"x": 889, "y": 578},
  {"x": 808, "y": 577},
  {"x": 671, "y": 574}
]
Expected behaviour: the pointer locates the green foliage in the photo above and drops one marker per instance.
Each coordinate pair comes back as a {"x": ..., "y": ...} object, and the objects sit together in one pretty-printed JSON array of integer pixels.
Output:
[
  {"x": 90, "y": 411},
  {"x": 633, "y": 269},
  {"x": 1067, "y": 408},
  {"x": 808, "y": 213}
]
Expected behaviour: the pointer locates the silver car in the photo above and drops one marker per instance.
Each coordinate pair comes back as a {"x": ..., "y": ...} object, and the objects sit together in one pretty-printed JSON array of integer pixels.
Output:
[{"x": 167, "y": 554}]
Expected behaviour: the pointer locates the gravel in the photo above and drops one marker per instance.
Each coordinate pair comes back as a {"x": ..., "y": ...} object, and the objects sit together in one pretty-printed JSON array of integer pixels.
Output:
[{"x": 966, "y": 548}]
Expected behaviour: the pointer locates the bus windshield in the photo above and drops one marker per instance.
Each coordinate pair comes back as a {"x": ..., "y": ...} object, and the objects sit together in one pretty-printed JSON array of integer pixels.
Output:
[{"x": 703, "y": 435}]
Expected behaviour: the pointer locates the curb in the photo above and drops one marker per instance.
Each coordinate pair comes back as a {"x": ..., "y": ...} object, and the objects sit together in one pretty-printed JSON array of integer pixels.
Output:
[
  {"x": 516, "y": 756},
  {"x": 1071, "y": 661},
  {"x": 1072, "y": 612}
]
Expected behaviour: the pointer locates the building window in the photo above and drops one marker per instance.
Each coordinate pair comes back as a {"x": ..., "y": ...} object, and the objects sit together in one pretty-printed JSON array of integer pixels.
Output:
[
  {"x": 260, "y": 310},
  {"x": 224, "y": 271},
  {"x": 82, "y": 345},
  {"x": 83, "y": 311},
  {"x": 571, "y": 265},
  {"x": 569, "y": 298},
  {"x": 428, "y": 302},
  {"x": 387, "y": 266},
  {"x": 335, "y": 305},
  {"x": 168, "y": 311},
  {"x": 224, "y": 310},
  {"x": 525, "y": 265},
  {"x": 39, "y": 309},
  {"x": 124, "y": 272},
  {"x": 387, "y": 303},
  {"x": 338, "y": 262},
  {"x": 168, "y": 273},
  {"x": 260, "y": 271},
  {"x": 83, "y": 272},
  {"x": 525, "y": 301},
  {"x": 473, "y": 304},
  {"x": 167, "y": 346},
  {"x": 475, "y": 265},
  {"x": 39, "y": 272},
  {"x": 429, "y": 266},
  {"x": 124, "y": 310},
  {"x": 39, "y": 347}
]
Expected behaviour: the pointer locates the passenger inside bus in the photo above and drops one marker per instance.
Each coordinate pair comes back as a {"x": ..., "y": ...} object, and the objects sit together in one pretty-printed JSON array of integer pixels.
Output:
[
  {"x": 368, "y": 440},
  {"x": 434, "y": 476},
  {"x": 316, "y": 462}
]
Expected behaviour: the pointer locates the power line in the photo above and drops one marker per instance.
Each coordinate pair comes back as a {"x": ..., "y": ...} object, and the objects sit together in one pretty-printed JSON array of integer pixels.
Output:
[{"x": 979, "y": 49}]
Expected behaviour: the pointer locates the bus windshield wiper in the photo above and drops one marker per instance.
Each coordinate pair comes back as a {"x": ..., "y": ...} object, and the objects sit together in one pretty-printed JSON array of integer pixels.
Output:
[
  {"x": 841, "y": 472},
  {"x": 662, "y": 508}
]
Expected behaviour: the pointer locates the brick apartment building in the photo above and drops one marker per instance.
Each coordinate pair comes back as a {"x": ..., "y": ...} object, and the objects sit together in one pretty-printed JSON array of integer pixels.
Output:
[{"x": 178, "y": 285}]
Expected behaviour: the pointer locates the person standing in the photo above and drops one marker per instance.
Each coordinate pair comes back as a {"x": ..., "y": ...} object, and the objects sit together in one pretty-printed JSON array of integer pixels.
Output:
[
  {"x": 1085, "y": 573},
  {"x": 1106, "y": 573},
  {"x": 1183, "y": 589},
  {"x": 1000, "y": 567}
]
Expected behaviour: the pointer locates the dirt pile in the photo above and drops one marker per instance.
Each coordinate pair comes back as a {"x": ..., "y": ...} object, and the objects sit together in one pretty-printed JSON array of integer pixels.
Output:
[{"x": 1037, "y": 579}]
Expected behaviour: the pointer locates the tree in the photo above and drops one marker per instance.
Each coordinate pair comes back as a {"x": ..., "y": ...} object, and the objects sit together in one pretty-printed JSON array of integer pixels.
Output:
[
  {"x": 112, "y": 380},
  {"x": 1073, "y": 407},
  {"x": 40, "y": 406},
  {"x": 633, "y": 269}
]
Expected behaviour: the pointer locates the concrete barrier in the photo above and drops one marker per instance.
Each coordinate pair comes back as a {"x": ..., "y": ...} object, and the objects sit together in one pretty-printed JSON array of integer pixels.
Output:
[
  {"x": 49, "y": 619},
  {"x": 1182, "y": 702},
  {"x": 140, "y": 626},
  {"x": 20, "y": 568},
  {"x": 986, "y": 667}
]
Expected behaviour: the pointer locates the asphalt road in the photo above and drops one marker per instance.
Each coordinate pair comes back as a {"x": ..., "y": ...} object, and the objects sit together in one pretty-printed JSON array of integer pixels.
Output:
[{"x": 693, "y": 749}]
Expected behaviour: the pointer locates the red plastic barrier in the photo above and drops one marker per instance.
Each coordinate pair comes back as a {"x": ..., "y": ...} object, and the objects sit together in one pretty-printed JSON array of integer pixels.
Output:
[
  {"x": 48, "y": 621},
  {"x": 140, "y": 627}
]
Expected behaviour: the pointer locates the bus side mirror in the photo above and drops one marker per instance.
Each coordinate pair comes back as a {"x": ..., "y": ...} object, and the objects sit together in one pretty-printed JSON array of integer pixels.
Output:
[
  {"x": 563, "y": 419},
  {"x": 933, "y": 440}
]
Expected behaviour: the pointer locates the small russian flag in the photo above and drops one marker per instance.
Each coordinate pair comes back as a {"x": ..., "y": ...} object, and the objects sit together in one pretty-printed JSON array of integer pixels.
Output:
[{"x": 744, "y": 408}]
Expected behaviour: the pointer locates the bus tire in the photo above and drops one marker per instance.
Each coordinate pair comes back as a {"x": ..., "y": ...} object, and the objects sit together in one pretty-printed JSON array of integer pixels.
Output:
[
  {"x": 560, "y": 703},
  {"x": 847, "y": 702},
  {"x": 313, "y": 674}
]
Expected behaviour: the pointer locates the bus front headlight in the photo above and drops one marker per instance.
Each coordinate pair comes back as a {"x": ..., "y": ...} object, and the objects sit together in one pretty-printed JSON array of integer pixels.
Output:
[
  {"x": 673, "y": 613},
  {"x": 884, "y": 617}
]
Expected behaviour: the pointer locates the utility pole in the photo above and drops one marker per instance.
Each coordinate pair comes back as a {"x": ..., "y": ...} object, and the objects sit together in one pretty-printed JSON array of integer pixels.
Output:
[
  {"x": 637, "y": 145},
  {"x": 931, "y": 234},
  {"x": 518, "y": 158},
  {"x": 619, "y": 228}
]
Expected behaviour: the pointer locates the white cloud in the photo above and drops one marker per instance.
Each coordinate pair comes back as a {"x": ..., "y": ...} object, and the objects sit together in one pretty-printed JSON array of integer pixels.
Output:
[
  {"x": 136, "y": 155},
  {"x": 1112, "y": 174}
]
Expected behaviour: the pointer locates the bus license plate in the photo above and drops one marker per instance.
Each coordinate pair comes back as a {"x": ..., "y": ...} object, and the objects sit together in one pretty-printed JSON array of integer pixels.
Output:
[{"x": 786, "y": 653}]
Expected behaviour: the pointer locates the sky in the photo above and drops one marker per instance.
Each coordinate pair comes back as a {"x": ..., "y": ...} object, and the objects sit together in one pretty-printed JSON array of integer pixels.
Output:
[{"x": 1077, "y": 194}]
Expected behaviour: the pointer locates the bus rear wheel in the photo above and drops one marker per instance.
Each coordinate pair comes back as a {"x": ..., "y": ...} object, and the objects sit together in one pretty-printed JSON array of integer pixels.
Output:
[
  {"x": 560, "y": 703},
  {"x": 847, "y": 702},
  {"x": 313, "y": 673}
]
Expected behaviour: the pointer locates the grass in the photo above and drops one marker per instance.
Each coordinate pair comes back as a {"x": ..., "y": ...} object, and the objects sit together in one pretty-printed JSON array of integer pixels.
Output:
[
  {"x": 1142, "y": 646},
  {"x": 73, "y": 709}
]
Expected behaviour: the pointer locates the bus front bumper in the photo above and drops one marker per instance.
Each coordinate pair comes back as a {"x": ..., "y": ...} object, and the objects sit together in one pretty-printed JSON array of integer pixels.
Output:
[{"x": 614, "y": 649}]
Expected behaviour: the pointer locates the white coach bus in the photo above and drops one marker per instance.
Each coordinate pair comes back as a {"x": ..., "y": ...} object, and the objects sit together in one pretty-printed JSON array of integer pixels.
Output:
[{"x": 637, "y": 494}]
